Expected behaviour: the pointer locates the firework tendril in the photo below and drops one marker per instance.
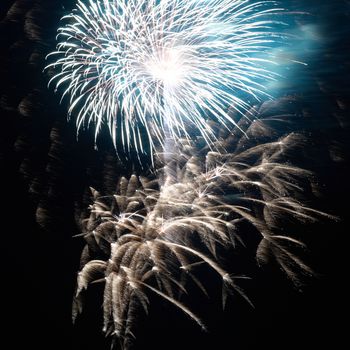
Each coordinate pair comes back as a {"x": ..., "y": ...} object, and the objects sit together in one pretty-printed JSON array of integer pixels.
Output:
[{"x": 154, "y": 233}]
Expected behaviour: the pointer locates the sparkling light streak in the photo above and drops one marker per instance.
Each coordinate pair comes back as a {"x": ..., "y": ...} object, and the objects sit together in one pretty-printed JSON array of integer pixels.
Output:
[{"x": 151, "y": 69}]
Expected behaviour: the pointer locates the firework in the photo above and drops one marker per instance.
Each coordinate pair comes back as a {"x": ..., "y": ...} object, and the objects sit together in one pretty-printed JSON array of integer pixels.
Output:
[
  {"x": 157, "y": 69},
  {"x": 156, "y": 230}
]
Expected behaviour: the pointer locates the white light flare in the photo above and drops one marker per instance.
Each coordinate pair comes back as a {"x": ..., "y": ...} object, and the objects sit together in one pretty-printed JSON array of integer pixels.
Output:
[{"x": 168, "y": 69}]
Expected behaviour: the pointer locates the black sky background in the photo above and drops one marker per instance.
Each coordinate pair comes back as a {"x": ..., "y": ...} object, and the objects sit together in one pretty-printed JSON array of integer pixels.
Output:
[{"x": 46, "y": 172}]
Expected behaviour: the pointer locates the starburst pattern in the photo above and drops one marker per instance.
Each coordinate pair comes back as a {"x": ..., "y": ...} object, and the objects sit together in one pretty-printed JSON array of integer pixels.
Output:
[{"x": 154, "y": 67}]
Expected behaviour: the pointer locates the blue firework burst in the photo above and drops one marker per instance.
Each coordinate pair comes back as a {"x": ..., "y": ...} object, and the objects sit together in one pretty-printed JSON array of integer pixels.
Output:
[{"x": 156, "y": 69}]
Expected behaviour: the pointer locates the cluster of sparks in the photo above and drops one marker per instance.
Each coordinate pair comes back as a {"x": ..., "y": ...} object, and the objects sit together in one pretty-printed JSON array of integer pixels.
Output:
[
  {"x": 152, "y": 69},
  {"x": 159, "y": 74},
  {"x": 148, "y": 232}
]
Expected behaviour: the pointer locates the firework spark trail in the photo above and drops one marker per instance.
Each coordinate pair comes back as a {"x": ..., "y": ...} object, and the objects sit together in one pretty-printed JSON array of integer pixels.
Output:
[
  {"x": 150, "y": 230},
  {"x": 141, "y": 66}
]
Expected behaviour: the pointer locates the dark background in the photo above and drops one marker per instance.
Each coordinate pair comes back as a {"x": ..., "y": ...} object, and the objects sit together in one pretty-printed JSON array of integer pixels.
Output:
[{"x": 45, "y": 177}]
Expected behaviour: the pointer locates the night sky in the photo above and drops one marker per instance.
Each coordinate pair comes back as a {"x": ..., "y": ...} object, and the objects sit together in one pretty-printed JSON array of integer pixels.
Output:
[{"x": 46, "y": 174}]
